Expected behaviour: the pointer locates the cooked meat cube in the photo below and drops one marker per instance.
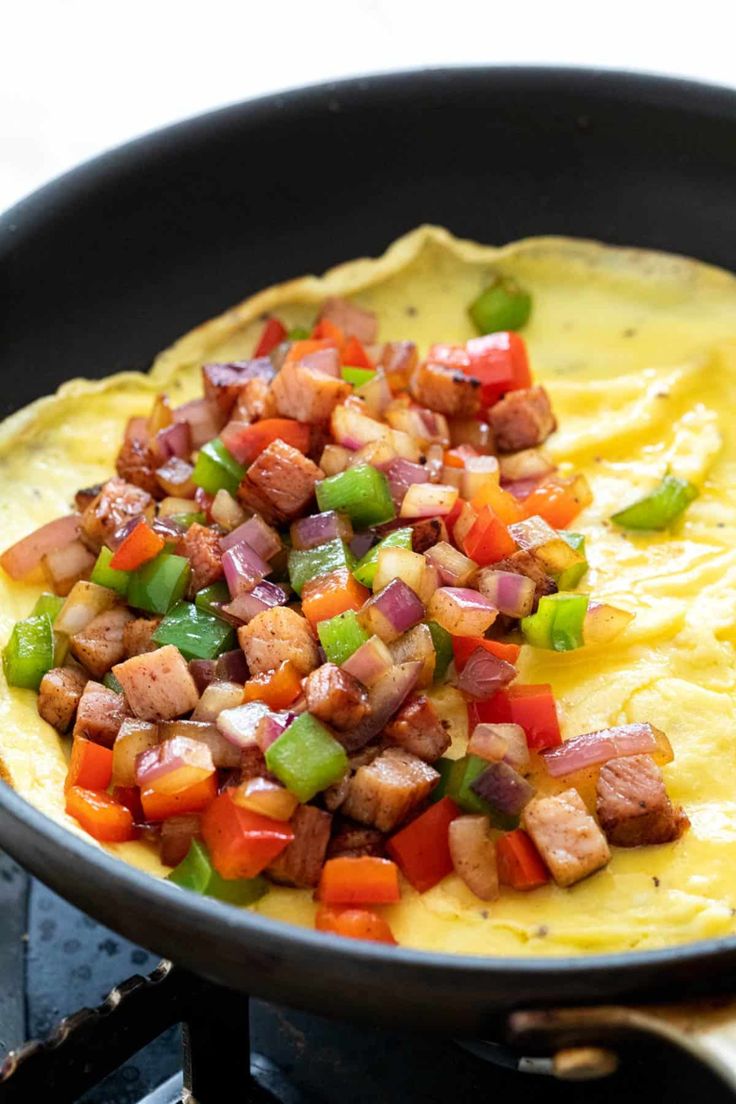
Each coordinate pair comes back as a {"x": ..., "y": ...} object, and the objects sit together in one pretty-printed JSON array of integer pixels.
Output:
[
  {"x": 417, "y": 728},
  {"x": 158, "y": 684},
  {"x": 59, "y": 694},
  {"x": 137, "y": 464},
  {"x": 473, "y": 854},
  {"x": 254, "y": 401},
  {"x": 335, "y": 696},
  {"x": 522, "y": 419},
  {"x": 177, "y": 834},
  {"x": 283, "y": 478},
  {"x": 385, "y": 792},
  {"x": 353, "y": 841},
  {"x": 223, "y": 383},
  {"x": 522, "y": 563},
  {"x": 116, "y": 503},
  {"x": 275, "y": 635},
  {"x": 446, "y": 390},
  {"x": 335, "y": 794},
  {"x": 633, "y": 806},
  {"x": 354, "y": 321},
  {"x": 426, "y": 533},
  {"x": 85, "y": 495},
  {"x": 201, "y": 546},
  {"x": 306, "y": 393},
  {"x": 137, "y": 635},
  {"x": 100, "y": 714},
  {"x": 301, "y": 863},
  {"x": 253, "y": 763},
  {"x": 100, "y": 644},
  {"x": 566, "y": 836}
]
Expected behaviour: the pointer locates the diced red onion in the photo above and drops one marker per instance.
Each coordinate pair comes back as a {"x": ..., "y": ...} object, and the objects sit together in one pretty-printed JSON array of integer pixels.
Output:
[
  {"x": 246, "y": 605},
  {"x": 594, "y": 748},
  {"x": 115, "y": 539},
  {"x": 326, "y": 361},
  {"x": 224, "y": 754},
  {"x": 401, "y": 475},
  {"x": 243, "y": 568},
  {"x": 533, "y": 463},
  {"x": 26, "y": 554},
  {"x": 394, "y": 610},
  {"x": 204, "y": 418},
  {"x": 435, "y": 463},
  {"x": 203, "y": 672},
  {"x": 231, "y": 667},
  {"x": 470, "y": 431},
  {"x": 453, "y": 567},
  {"x": 511, "y": 594},
  {"x": 417, "y": 644},
  {"x": 174, "y": 765},
  {"x": 503, "y": 788},
  {"x": 308, "y": 532},
  {"x": 362, "y": 543},
  {"x": 484, "y": 674},
  {"x": 496, "y": 742},
  {"x": 428, "y": 500},
  {"x": 385, "y": 696},
  {"x": 435, "y": 426},
  {"x": 376, "y": 394},
  {"x": 478, "y": 471},
  {"x": 264, "y": 540},
  {"x": 463, "y": 612},
  {"x": 216, "y": 696},
  {"x": 204, "y": 501},
  {"x": 174, "y": 440},
  {"x": 452, "y": 477},
  {"x": 167, "y": 527},
  {"x": 68, "y": 564},
  {"x": 520, "y": 488},
  {"x": 369, "y": 661},
  {"x": 271, "y": 727},
  {"x": 227, "y": 512},
  {"x": 239, "y": 724}
]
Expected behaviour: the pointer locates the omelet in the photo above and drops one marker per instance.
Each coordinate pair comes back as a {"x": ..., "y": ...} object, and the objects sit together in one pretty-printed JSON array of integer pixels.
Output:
[{"x": 638, "y": 352}]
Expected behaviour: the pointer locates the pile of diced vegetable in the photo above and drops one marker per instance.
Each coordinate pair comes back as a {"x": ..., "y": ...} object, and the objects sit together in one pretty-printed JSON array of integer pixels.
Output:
[{"x": 249, "y": 624}]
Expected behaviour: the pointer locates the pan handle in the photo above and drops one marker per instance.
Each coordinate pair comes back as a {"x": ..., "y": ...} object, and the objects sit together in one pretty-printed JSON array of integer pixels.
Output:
[{"x": 580, "y": 1038}]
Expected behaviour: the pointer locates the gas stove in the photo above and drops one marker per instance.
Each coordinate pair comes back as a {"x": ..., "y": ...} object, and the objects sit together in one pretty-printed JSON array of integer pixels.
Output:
[{"x": 56, "y": 962}]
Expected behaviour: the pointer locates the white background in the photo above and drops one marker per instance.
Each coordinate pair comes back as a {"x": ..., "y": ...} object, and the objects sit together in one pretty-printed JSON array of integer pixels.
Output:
[{"x": 80, "y": 76}]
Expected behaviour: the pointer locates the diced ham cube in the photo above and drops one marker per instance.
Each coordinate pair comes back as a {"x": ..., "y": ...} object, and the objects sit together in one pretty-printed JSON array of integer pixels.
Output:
[
  {"x": 177, "y": 834},
  {"x": 137, "y": 464},
  {"x": 633, "y": 806},
  {"x": 566, "y": 836},
  {"x": 446, "y": 390},
  {"x": 100, "y": 644},
  {"x": 279, "y": 484},
  {"x": 117, "y": 502},
  {"x": 300, "y": 864},
  {"x": 100, "y": 714},
  {"x": 137, "y": 635},
  {"x": 255, "y": 401},
  {"x": 354, "y": 321},
  {"x": 522, "y": 419},
  {"x": 275, "y": 635},
  {"x": 336, "y": 697},
  {"x": 59, "y": 695},
  {"x": 385, "y": 792},
  {"x": 201, "y": 546},
  {"x": 426, "y": 533},
  {"x": 253, "y": 764},
  {"x": 303, "y": 392},
  {"x": 223, "y": 383},
  {"x": 417, "y": 728},
  {"x": 353, "y": 841},
  {"x": 158, "y": 684}
]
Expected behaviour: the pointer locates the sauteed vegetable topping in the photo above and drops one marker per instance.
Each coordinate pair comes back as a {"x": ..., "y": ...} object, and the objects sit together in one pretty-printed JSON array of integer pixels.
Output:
[{"x": 251, "y": 623}]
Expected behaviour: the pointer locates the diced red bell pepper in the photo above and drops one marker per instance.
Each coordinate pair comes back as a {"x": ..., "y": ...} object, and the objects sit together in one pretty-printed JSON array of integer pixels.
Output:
[
  {"x": 130, "y": 797},
  {"x": 272, "y": 334},
  {"x": 531, "y": 706},
  {"x": 159, "y": 806},
  {"x": 138, "y": 547},
  {"x": 488, "y": 540},
  {"x": 422, "y": 849},
  {"x": 452, "y": 356},
  {"x": 276, "y": 688},
  {"x": 330, "y": 333},
  {"x": 332, "y": 594},
  {"x": 500, "y": 362},
  {"x": 452, "y": 517},
  {"x": 558, "y": 500},
  {"x": 300, "y": 349},
  {"x": 359, "y": 881},
  {"x": 246, "y": 442},
  {"x": 241, "y": 843},
  {"x": 355, "y": 356},
  {"x": 464, "y": 646},
  {"x": 100, "y": 815},
  {"x": 90, "y": 766},
  {"x": 519, "y": 863},
  {"x": 503, "y": 504},
  {"x": 354, "y": 924}
]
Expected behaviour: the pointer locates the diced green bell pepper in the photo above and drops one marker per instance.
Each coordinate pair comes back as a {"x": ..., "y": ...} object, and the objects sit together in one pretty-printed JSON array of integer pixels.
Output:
[
  {"x": 558, "y": 623},
  {"x": 159, "y": 584},
  {"x": 185, "y": 520},
  {"x": 196, "y": 872},
  {"x": 442, "y": 641},
  {"x": 365, "y": 572},
  {"x": 108, "y": 576},
  {"x": 298, "y": 333},
  {"x": 503, "y": 305},
  {"x": 361, "y": 492},
  {"x": 660, "y": 508},
  {"x": 29, "y": 653},
  {"x": 310, "y": 563},
  {"x": 306, "y": 758},
  {"x": 357, "y": 376},
  {"x": 217, "y": 469},
  {"x": 50, "y": 604},
  {"x": 341, "y": 635},
  {"x": 571, "y": 576},
  {"x": 197, "y": 635},
  {"x": 112, "y": 683},
  {"x": 207, "y": 598}
]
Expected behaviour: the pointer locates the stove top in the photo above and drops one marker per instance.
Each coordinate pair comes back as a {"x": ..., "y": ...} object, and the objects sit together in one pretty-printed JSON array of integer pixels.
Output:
[{"x": 55, "y": 960}]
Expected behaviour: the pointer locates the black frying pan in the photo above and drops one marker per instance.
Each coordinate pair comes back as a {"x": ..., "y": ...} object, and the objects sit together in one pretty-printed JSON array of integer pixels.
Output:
[{"x": 107, "y": 265}]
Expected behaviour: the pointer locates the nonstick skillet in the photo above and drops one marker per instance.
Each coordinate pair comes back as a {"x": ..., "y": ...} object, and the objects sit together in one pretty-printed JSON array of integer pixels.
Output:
[{"x": 107, "y": 265}]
